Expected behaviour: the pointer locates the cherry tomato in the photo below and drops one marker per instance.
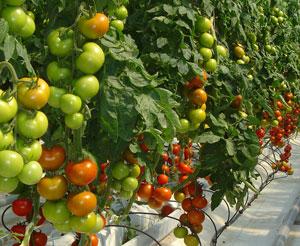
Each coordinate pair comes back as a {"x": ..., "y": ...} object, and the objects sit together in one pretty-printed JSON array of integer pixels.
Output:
[
  {"x": 55, "y": 96},
  {"x": 196, "y": 217},
  {"x": 121, "y": 13},
  {"x": 38, "y": 239},
  {"x": 145, "y": 191},
  {"x": 162, "y": 194},
  {"x": 95, "y": 27},
  {"x": 31, "y": 173},
  {"x": 52, "y": 188},
  {"x": 129, "y": 184},
  {"x": 82, "y": 173},
  {"x": 118, "y": 24},
  {"x": 8, "y": 185},
  {"x": 53, "y": 158},
  {"x": 70, "y": 103},
  {"x": 197, "y": 116},
  {"x": 166, "y": 210},
  {"x": 198, "y": 97},
  {"x": 162, "y": 179},
  {"x": 56, "y": 212},
  {"x": 31, "y": 151},
  {"x": 154, "y": 204},
  {"x": 187, "y": 204},
  {"x": 22, "y": 206},
  {"x": 81, "y": 204},
  {"x": 74, "y": 121},
  {"x": 199, "y": 202},
  {"x": 19, "y": 229}
]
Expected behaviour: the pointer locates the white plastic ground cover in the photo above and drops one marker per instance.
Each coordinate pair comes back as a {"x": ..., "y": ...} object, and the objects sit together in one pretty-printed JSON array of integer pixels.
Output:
[{"x": 259, "y": 225}]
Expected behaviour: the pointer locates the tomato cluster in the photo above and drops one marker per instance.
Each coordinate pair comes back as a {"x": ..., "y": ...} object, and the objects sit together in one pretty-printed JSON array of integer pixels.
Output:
[{"x": 20, "y": 21}]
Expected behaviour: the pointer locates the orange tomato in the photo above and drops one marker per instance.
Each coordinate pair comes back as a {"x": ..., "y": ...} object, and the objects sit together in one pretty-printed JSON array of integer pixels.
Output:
[
  {"x": 52, "y": 159},
  {"x": 52, "y": 188},
  {"x": 81, "y": 204},
  {"x": 196, "y": 217},
  {"x": 95, "y": 27}
]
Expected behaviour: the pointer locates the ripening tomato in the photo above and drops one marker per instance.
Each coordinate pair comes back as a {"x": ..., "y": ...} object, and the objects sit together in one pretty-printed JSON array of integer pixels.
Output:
[
  {"x": 82, "y": 173},
  {"x": 198, "y": 82},
  {"x": 53, "y": 158},
  {"x": 33, "y": 93},
  {"x": 22, "y": 206},
  {"x": 81, "y": 204},
  {"x": 129, "y": 157},
  {"x": 83, "y": 224},
  {"x": 187, "y": 204},
  {"x": 162, "y": 194},
  {"x": 8, "y": 108},
  {"x": 95, "y": 27},
  {"x": 145, "y": 191},
  {"x": 197, "y": 116},
  {"x": 184, "y": 219},
  {"x": 199, "y": 202},
  {"x": 166, "y": 210},
  {"x": 154, "y": 204},
  {"x": 52, "y": 188},
  {"x": 165, "y": 168},
  {"x": 191, "y": 240},
  {"x": 198, "y": 97}
]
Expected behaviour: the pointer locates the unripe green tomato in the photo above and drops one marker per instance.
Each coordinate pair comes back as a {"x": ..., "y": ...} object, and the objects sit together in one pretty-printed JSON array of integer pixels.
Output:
[
  {"x": 74, "y": 121},
  {"x": 8, "y": 108},
  {"x": 30, "y": 14},
  {"x": 246, "y": 59},
  {"x": 121, "y": 13},
  {"x": 56, "y": 73},
  {"x": 117, "y": 185},
  {"x": 15, "y": 17},
  {"x": 135, "y": 171},
  {"x": 255, "y": 47},
  {"x": 280, "y": 19},
  {"x": 250, "y": 77},
  {"x": 31, "y": 173},
  {"x": 11, "y": 163},
  {"x": 8, "y": 185},
  {"x": 60, "y": 42},
  {"x": 28, "y": 29},
  {"x": 203, "y": 24},
  {"x": 7, "y": 140},
  {"x": 31, "y": 151},
  {"x": 207, "y": 40},
  {"x": 86, "y": 87},
  {"x": 118, "y": 24},
  {"x": 206, "y": 53},
  {"x": 211, "y": 65},
  {"x": 14, "y": 2},
  {"x": 280, "y": 13},
  {"x": 130, "y": 184},
  {"x": 120, "y": 171},
  {"x": 70, "y": 103},
  {"x": 55, "y": 96},
  {"x": 222, "y": 51},
  {"x": 274, "y": 123},
  {"x": 126, "y": 194},
  {"x": 64, "y": 227},
  {"x": 240, "y": 62},
  {"x": 184, "y": 126},
  {"x": 274, "y": 20},
  {"x": 197, "y": 116}
]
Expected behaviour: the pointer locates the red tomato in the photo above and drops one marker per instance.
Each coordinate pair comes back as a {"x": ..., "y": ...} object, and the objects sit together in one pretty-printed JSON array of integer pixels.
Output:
[
  {"x": 38, "y": 239},
  {"x": 162, "y": 179},
  {"x": 184, "y": 219},
  {"x": 199, "y": 202},
  {"x": 145, "y": 191},
  {"x": 166, "y": 210},
  {"x": 165, "y": 168},
  {"x": 155, "y": 204},
  {"x": 162, "y": 194},
  {"x": 19, "y": 229},
  {"x": 195, "y": 217},
  {"x": 82, "y": 173},
  {"x": 187, "y": 204},
  {"x": 52, "y": 159},
  {"x": 184, "y": 168},
  {"x": 22, "y": 206},
  {"x": 176, "y": 149},
  {"x": 165, "y": 156}
]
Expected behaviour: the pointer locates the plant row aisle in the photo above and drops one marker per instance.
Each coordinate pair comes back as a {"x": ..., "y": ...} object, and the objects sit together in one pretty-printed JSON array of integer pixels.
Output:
[{"x": 107, "y": 104}]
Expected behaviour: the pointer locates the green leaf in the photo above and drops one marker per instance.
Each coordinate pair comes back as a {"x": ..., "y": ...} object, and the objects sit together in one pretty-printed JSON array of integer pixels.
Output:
[
  {"x": 9, "y": 47},
  {"x": 207, "y": 137},
  {"x": 161, "y": 42},
  {"x": 216, "y": 199},
  {"x": 3, "y": 30},
  {"x": 230, "y": 147}
]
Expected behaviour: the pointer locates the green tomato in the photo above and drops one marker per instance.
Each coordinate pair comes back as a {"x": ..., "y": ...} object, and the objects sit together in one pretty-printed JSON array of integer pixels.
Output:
[
  {"x": 240, "y": 62},
  {"x": 31, "y": 173},
  {"x": 74, "y": 121},
  {"x": 222, "y": 51},
  {"x": 126, "y": 194},
  {"x": 8, "y": 108},
  {"x": 30, "y": 14},
  {"x": 14, "y": 2},
  {"x": 57, "y": 73},
  {"x": 206, "y": 53},
  {"x": 207, "y": 40},
  {"x": 28, "y": 29},
  {"x": 100, "y": 224},
  {"x": 130, "y": 184},
  {"x": 55, "y": 96},
  {"x": 84, "y": 224},
  {"x": 117, "y": 185},
  {"x": 121, "y": 13},
  {"x": 135, "y": 171},
  {"x": 120, "y": 171},
  {"x": 255, "y": 47},
  {"x": 197, "y": 116},
  {"x": 250, "y": 77},
  {"x": 211, "y": 65},
  {"x": 32, "y": 126},
  {"x": 180, "y": 232},
  {"x": 60, "y": 42},
  {"x": 64, "y": 227},
  {"x": 15, "y": 17},
  {"x": 191, "y": 240},
  {"x": 275, "y": 123},
  {"x": 280, "y": 13},
  {"x": 7, "y": 140},
  {"x": 56, "y": 212},
  {"x": 11, "y": 163},
  {"x": 29, "y": 151},
  {"x": 8, "y": 185},
  {"x": 70, "y": 103},
  {"x": 268, "y": 48},
  {"x": 118, "y": 24},
  {"x": 91, "y": 59},
  {"x": 184, "y": 126},
  {"x": 87, "y": 87},
  {"x": 203, "y": 24},
  {"x": 280, "y": 19},
  {"x": 274, "y": 20},
  {"x": 246, "y": 59}
]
